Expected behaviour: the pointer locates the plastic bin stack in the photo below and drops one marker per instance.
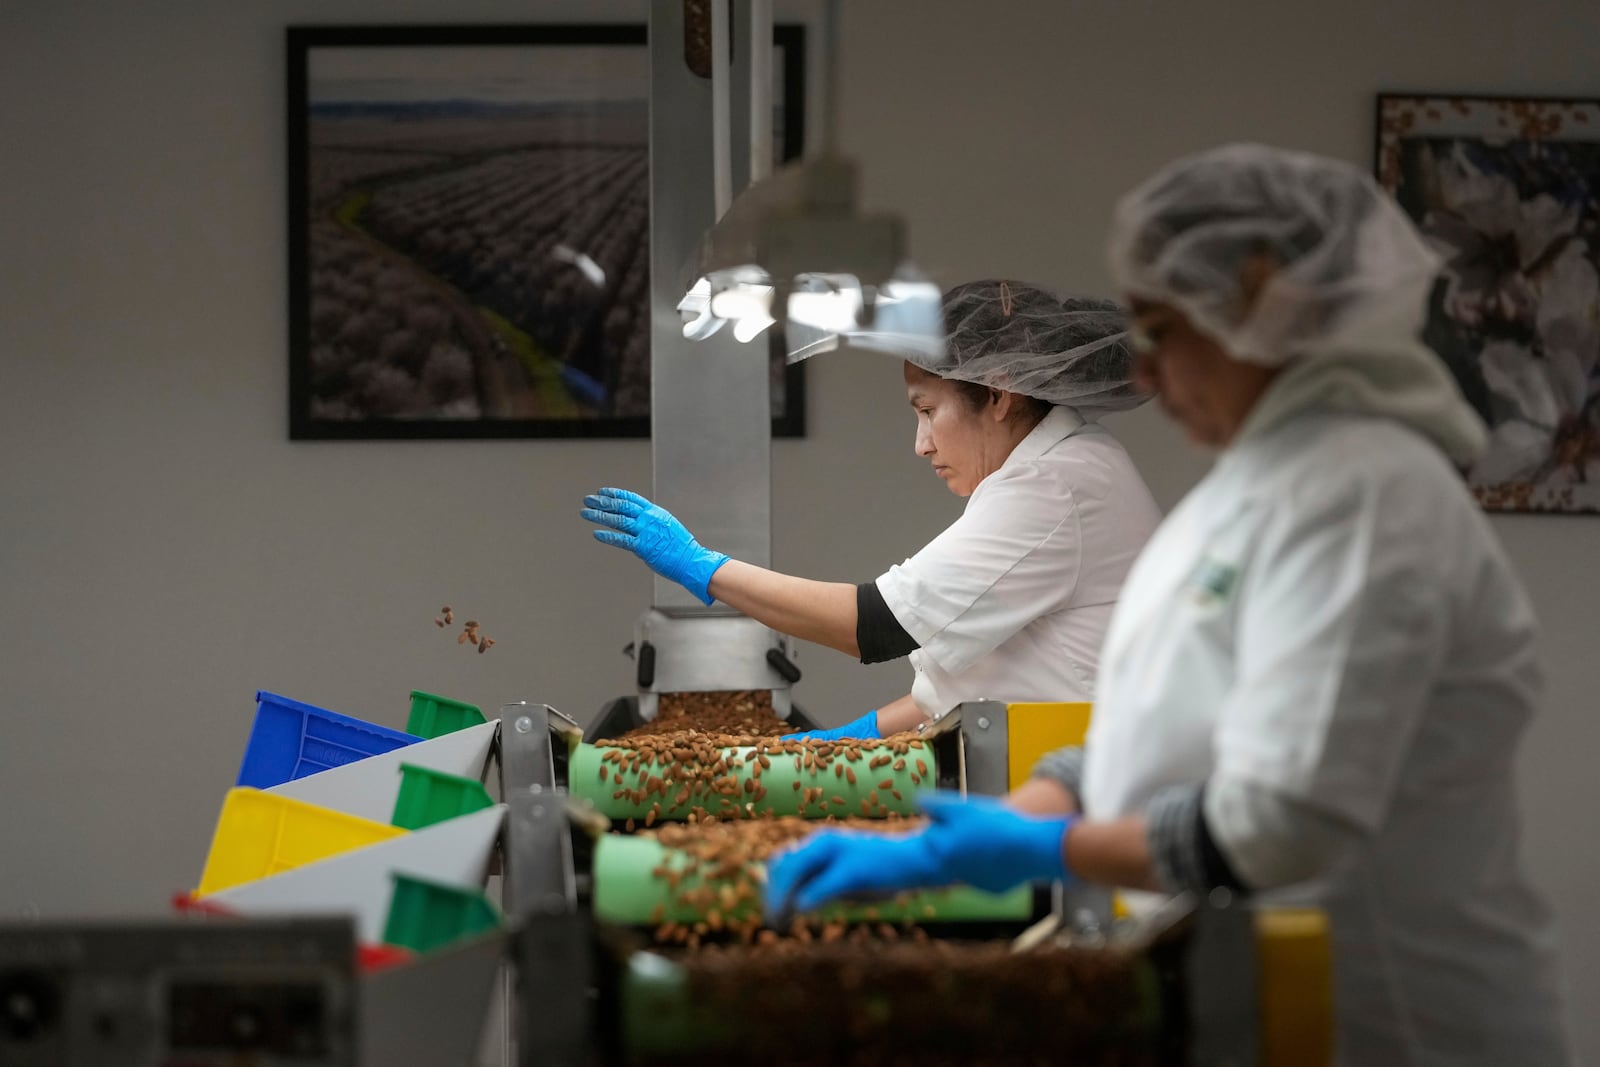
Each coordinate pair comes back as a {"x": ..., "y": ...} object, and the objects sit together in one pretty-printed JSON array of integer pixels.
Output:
[{"x": 333, "y": 814}]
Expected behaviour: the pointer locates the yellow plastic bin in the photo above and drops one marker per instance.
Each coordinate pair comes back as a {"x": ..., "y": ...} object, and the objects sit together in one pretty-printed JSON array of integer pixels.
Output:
[{"x": 260, "y": 834}]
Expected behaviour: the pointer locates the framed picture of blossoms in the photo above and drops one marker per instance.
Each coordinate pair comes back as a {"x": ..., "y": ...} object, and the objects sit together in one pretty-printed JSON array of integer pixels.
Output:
[{"x": 1507, "y": 191}]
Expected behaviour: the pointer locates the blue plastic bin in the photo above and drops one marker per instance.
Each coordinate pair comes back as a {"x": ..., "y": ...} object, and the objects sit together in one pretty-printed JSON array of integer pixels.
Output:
[{"x": 292, "y": 740}]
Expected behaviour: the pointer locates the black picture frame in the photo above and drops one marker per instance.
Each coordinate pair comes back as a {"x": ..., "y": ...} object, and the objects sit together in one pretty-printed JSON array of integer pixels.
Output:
[
  {"x": 434, "y": 288},
  {"x": 1507, "y": 190}
]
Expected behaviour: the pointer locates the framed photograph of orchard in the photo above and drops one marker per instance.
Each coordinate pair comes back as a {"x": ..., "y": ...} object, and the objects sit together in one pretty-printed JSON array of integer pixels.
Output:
[
  {"x": 469, "y": 230},
  {"x": 1507, "y": 191}
]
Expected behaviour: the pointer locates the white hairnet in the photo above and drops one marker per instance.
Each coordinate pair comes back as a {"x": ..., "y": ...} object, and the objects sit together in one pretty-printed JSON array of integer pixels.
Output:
[
  {"x": 1026, "y": 340},
  {"x": 1288, "y": 258},
  {"x": 1274, "y": 253}
]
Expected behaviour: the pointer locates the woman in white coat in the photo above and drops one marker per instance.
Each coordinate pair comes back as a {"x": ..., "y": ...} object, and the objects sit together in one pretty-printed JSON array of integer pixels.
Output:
[
  {"x": 1011, "y": 602},
  {"x": 1320, "y": 667}
]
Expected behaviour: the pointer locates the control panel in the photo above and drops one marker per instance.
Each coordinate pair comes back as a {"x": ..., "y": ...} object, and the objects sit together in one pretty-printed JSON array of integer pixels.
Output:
[{"x": 180, "y": 993}]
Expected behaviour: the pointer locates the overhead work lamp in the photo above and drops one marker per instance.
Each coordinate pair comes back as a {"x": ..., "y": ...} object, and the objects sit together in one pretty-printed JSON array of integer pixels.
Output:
[{"x": 794, "y": 248}]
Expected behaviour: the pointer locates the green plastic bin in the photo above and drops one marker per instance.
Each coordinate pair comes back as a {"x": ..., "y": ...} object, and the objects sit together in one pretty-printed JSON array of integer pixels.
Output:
[
  {"x": 424, "y": 915},
  {"x": 428, "y": 796},
  {"x": 434, "y": 716}
]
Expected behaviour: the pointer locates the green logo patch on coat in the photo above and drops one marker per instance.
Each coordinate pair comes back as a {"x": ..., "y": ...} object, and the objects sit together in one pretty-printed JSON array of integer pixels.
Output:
[{"x": 1213, "y": 580}]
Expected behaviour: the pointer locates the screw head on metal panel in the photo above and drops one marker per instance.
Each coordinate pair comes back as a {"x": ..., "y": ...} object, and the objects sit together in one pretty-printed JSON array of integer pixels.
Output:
[
  {"x": 524, "y": 724},
  {"x": 983, "y": 722},
  {"x": 536, "y": 788}
]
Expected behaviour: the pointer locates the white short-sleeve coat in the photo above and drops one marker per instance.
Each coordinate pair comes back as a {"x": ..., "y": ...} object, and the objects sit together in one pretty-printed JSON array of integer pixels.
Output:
[{"x": 1012, "y": 601}]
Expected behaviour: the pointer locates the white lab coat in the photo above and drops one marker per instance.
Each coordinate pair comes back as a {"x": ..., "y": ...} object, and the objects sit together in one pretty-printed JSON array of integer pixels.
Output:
[
  {"x": 1012, "y": 601},
  {"x": 1328, "y": 616}
]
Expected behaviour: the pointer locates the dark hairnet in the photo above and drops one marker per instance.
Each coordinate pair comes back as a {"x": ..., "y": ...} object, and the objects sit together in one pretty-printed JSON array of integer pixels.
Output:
[{"x": 1027, "y": 340}]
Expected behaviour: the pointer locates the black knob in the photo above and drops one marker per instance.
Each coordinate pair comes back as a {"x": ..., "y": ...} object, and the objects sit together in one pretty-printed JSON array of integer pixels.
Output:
[
  {"x": 783, "y": 665},
  {"x": 647, "y": 665}
]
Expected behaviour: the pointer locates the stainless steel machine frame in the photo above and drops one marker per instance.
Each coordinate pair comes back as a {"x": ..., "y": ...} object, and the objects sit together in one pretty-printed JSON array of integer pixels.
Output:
[{"x": 710, "y": 400}]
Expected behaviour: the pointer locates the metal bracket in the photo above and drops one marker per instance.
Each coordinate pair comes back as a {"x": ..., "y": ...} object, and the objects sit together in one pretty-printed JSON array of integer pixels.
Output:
[
  {"x": 527, "y": 756},
  {"x": 985, "y": 746},
  {"x": 554, "y": 953}
]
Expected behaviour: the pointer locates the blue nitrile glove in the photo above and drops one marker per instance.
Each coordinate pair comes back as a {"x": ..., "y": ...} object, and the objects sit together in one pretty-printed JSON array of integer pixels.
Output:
[
  {"x": 655, "y": 536},
  {"x": 976, "y": 841},
  {"x": 864, "y": 727}
]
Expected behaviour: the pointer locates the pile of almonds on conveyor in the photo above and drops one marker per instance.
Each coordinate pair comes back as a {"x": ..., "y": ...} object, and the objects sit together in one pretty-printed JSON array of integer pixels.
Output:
[
  {"x": 928, "y": 1004},
  {"x": 718, "y": 881},
  {"x": 745, "y": 712},
  {"x": 725, "y": 837},
  {"x": 695, "y": 766}
]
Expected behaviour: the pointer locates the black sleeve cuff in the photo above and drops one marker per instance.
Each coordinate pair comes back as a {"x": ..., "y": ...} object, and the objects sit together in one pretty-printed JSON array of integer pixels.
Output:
[
  {"x": 1181, "y": 846},
  {"x": 879, "y": 635},
  {"x": 1064, "y": 767}
]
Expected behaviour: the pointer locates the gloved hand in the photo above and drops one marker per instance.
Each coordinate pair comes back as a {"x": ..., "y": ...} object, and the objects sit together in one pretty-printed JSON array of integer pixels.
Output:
[
  {"x": 655, "y": 536},
  {"x": 976, "y": 841},
  {"x": 866, "y": 726}
]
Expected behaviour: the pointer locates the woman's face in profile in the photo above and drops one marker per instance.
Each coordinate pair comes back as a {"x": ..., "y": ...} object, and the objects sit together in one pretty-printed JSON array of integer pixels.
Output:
[
  {"x": 964, "y": 442},
  {"x": 1192, "y": 377}
]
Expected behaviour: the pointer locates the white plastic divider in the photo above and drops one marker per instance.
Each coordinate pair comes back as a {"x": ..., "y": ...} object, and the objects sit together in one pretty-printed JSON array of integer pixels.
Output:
[
  {"x": 431, "y": 1010},
  {"x": 455, "y": 852},
  {"x": 369, "y": 787}
]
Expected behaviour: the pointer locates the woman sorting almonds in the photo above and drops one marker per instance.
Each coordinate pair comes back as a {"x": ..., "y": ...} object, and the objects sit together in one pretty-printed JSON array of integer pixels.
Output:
[
  {"x": 1010, "y": 602},
  {"x": 1317, "y": 677}
]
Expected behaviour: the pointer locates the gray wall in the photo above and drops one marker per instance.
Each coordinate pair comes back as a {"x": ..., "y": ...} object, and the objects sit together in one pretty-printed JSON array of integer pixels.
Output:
[{"x": 165, "y": 550}]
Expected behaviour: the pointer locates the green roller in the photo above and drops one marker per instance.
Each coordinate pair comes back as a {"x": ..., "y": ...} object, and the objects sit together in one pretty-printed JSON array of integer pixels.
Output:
[
  {"x": 851, "y": 788},
  {"x": 626, "y": 890}
]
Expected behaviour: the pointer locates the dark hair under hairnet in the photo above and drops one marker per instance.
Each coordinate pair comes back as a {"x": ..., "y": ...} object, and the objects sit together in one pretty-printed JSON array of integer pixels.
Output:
[{"x": 1024, "y": 339}]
